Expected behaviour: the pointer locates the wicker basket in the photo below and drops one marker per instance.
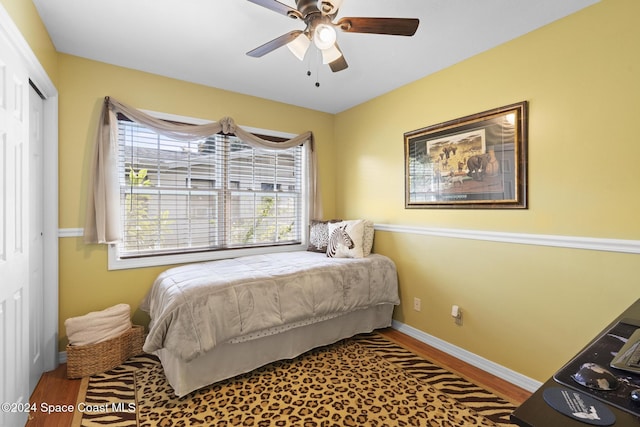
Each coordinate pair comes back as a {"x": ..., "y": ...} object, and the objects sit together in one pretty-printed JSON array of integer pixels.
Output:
[{"x": 86, "y": 360}]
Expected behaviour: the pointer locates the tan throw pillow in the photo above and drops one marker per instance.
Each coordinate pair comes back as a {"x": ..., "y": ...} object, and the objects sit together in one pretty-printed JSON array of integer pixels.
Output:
[{"x": 367, "y": 240}]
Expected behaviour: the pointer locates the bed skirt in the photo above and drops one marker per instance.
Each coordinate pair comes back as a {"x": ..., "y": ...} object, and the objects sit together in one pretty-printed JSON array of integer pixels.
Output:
[{"x": 230, "y": 359}]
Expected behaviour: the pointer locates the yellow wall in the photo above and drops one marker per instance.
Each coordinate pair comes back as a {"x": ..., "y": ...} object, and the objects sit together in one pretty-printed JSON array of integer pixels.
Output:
[
  {"x": 25, "y": 16},
  {"x": 85, "y": 282},
  {"x": 528, "y": 308}
]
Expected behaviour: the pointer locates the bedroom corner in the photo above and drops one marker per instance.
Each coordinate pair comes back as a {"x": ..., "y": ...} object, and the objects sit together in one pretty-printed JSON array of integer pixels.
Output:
[{"x": 514, "y": 294}]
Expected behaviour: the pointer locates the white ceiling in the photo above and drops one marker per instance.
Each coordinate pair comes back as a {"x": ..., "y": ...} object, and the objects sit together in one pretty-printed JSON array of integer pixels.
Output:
[{"x": 205, "y": 41}]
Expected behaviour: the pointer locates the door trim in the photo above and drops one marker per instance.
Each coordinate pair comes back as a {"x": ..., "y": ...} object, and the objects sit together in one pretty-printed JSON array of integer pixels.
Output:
[{"x": 38, "y": 75}]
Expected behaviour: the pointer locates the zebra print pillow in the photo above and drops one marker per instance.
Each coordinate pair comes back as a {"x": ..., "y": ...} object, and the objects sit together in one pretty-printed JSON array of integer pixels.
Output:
[
  {"x": 319, "y": 235},
  {"x": 346, "y": 239}
]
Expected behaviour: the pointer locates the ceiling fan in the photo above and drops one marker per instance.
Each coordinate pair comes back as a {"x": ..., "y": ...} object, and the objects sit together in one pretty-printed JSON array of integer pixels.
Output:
[{"x": 318, "y": 15}]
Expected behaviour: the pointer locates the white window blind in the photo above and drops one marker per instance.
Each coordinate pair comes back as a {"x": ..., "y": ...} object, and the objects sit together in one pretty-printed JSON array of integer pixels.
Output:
[{"x": 205, "y": 195}]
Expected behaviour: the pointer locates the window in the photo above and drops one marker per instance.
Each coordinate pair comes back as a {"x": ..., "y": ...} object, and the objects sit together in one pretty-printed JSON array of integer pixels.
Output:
[{"x": 196, "y": 200}]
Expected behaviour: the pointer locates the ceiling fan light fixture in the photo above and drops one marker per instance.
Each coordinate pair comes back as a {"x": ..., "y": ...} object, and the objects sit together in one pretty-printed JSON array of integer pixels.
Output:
[
  {"x": 299, "y": 46},
  {"x": 321, "y": 26},
  {"x": 331, "y": 54},
  {"x": 330, "y": 7},
  {"x": 324, "y": 36}
]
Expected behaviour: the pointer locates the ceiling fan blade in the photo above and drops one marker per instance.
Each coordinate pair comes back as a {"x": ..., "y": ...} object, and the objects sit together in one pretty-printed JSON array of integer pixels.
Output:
[
  {"x": 390, "y": 26},
  {"x": 274, "y": 44},
  {"x": 338, "y": 64},
  {"x": 278, "y": 7}
]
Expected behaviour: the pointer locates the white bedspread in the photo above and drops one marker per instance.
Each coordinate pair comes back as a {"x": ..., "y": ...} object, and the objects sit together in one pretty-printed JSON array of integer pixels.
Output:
[{"x": 196, "y": 306}]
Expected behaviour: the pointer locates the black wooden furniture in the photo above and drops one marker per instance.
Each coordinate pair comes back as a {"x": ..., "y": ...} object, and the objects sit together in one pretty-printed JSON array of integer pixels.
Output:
[{"x": 535, "y": 412}]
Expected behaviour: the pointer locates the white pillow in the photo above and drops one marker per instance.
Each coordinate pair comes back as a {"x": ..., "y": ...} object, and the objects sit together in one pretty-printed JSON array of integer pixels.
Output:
[{"x": 346, "y": 239}]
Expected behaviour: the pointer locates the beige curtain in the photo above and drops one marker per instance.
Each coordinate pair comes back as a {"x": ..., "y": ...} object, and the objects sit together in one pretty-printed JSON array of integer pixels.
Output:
[{"x": 102, "y": 224}]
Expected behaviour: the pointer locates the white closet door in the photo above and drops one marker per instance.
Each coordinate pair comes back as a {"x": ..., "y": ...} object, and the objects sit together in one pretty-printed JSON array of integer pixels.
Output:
[{"x": 14, "y": 237}]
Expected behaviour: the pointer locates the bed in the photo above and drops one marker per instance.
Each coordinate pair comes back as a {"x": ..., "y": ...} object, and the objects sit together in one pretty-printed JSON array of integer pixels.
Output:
[{"x": 214, "y": 320}]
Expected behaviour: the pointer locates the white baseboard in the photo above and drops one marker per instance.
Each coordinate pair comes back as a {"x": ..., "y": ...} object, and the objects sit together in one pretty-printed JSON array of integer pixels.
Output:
[
  {"x": 62, "y": 357},
  {"x": 486, "y": 365}
]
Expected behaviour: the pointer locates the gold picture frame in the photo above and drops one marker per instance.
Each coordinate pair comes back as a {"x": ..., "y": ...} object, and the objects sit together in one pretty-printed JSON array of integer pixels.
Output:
[{"x": 478, "y": 161}]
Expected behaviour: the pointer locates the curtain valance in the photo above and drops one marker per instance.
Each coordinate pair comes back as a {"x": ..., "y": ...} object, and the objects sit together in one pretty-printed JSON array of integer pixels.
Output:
[{"x": 102, "y": 223}]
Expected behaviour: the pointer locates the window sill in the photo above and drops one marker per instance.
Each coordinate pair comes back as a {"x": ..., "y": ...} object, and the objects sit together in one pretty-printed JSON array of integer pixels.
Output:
[{"x": 117, "y": 263}]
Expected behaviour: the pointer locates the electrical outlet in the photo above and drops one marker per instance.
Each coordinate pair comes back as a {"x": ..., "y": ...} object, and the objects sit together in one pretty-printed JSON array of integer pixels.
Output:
[
  {"x": 456, "y": 312},
  {"x": 458, "y": 320},
  {"x": 417, "y": 304}
]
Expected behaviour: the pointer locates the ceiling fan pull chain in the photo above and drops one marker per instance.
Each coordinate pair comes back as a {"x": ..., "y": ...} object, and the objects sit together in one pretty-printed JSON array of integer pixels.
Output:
[
  {"x": 309, "y": 65},
  {"x": 318, "y": 62},
  {"x": 310, "y": 59}
]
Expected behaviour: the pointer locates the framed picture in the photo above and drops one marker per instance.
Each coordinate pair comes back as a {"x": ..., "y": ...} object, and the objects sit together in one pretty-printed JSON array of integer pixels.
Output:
[{"x": 478, "y": 161}]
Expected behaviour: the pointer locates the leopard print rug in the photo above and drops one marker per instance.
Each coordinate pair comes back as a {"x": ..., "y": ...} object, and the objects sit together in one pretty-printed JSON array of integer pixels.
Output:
[{"x": 364, "y": 381}]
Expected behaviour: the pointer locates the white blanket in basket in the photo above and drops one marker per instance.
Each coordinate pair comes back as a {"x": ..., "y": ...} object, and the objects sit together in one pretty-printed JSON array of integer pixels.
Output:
[{"x": 98, "y": 326}]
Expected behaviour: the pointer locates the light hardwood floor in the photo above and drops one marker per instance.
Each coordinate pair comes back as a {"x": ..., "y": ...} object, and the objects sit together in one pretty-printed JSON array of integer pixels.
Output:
[
  {"x": 55, "y": 389},
  {"x": 492, "y": 383}
]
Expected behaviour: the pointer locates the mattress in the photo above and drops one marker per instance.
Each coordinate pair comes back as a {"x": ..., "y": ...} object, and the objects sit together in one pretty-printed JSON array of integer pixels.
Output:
[{"x": 194, "y": 308}]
